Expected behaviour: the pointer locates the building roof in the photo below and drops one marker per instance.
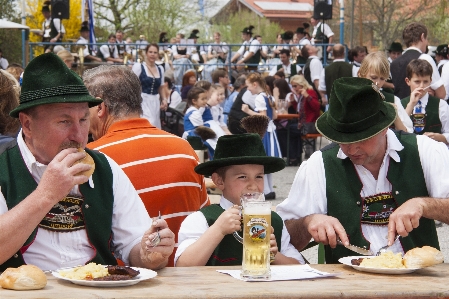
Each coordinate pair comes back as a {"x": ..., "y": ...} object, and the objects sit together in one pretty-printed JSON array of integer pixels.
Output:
[{"x": 280, "y": 8}]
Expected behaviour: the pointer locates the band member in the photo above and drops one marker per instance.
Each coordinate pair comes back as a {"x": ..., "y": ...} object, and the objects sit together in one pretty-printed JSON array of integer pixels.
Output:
[
  {"x": 89, "y": 53},
  {"x": 52, "y": 28},
  {"x": 249, "y": 52}
]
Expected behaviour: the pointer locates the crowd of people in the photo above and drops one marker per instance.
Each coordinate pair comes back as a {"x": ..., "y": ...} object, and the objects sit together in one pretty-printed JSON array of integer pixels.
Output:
[{"x": 383, "y": 175}]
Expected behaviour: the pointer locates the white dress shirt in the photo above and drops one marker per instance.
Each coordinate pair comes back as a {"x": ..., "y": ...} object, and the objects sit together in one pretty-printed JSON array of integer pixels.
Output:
[
  {"x": 53, "y": 250},
  {"x": 324, "y": 28},
  {"x": 254, "y": 46},
  {"x": 195, "y": 225},
  {"x": 308, "y": 192},
  {"x": 287, "y": 70}
]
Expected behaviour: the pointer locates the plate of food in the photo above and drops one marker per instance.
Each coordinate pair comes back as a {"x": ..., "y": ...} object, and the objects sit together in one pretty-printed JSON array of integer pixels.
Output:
[
  {"x": 391, "y": 263},
  {"x": 95, "y": 275}
]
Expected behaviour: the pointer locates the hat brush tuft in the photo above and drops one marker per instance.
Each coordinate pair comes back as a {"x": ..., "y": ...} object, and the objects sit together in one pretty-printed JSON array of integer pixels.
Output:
[{"x": 256, "y": 124}]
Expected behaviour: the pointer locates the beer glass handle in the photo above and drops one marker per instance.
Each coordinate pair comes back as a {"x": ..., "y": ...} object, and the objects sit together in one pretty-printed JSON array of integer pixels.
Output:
[{"x": 237, "y": 237}]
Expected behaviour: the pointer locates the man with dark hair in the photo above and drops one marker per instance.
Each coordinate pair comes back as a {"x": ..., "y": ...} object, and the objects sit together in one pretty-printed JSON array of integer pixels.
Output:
[
  {"x": 109, "y": 52},
  {"x": 356, "y": 56},
  {"x": 121, "y": 44},
  {"x": 394, "y": 51},
  {"x": 441, "y": 56},
  {"x": 52, "y": 28},
  {"x": 89, "y": 53},
  {"x": 249, "y": 52},
  {"x": 286, "y": 66},
  {"x": 174, "y": 190},
  {"x": 313, "y": 67},
  {"x": 56, "y": 210},
  {"x": 415, "y": 39},
  {"x": 337, "y": 69},
  {"x": 322, "y": 33}
]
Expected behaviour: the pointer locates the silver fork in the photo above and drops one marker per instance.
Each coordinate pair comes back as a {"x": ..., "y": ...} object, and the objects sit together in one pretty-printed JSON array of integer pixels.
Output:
[
  {"x": 384, "y": 248},
  {"x": 157, "y": 238}
]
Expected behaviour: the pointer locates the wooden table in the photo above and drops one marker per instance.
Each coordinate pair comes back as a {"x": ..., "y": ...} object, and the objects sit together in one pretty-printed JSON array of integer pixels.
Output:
[
  {"x": 288, "y": 117},
  {"x": 205, "y": 282}
]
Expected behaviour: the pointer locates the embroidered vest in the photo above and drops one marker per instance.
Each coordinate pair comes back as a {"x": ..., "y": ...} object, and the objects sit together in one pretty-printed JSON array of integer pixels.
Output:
[
  {"x": 334, "y": 71},
  {"x": 398, "y": 68},
  {"x": 293, "y": 71},
  {"x": 432, "y": 120},
  {"x": 230, "y": 251},
  {"x": 17, "y": 183},
  {"x": 345, "y": 203}
]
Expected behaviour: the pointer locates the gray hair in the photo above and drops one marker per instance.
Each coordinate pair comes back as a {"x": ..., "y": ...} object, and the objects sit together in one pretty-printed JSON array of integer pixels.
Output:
[{"x": 118, "y": 86}]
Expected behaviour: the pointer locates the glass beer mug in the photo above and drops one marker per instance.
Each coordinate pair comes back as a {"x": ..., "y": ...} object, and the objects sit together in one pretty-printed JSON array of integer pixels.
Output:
[{"x": 256, "y": 214}]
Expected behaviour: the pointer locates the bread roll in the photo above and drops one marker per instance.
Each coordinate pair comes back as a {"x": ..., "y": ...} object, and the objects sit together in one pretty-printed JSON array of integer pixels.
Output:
[
  {"x": 423, "y": 257},
  {"x": 86, "y": 160},
  {"x": 26, "y": 277}
]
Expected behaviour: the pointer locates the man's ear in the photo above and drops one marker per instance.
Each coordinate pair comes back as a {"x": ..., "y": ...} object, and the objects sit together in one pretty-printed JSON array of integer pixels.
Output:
[
  {"x": 218, "y": 181},
  {"x": 25, "y": 121},
  {"x": 101, "y": 110}
]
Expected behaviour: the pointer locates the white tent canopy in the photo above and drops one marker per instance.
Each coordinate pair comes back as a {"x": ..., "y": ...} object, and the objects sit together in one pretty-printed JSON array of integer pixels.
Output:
[{"x": 11, "y": 25}]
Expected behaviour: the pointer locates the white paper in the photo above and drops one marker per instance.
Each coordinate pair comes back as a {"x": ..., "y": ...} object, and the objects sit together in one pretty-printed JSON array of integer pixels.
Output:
[{"x": 293, "y": 272}]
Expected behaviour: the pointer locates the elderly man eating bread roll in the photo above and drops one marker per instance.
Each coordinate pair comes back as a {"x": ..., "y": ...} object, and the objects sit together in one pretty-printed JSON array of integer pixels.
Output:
[{"x": 53, "y": 213}]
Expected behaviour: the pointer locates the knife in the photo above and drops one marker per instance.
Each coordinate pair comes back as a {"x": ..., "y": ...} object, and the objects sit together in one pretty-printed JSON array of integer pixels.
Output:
[{"x": 357, "y": 249}]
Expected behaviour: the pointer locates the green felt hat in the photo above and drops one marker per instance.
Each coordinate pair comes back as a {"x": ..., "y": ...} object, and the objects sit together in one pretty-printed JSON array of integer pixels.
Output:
[
  {"x": 395, "y": 47},
  {"x": 441, "y": 50},
  {"x": 288, "y": 35},
  {"x": 196, "y": 143},
  {"x": 238, "y": 150},
  {"x": 47, "y": 80},
  {"x": 357, "y": 111}
]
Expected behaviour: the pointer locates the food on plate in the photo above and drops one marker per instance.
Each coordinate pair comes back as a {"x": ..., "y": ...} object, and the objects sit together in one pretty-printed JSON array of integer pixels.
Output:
[
  {"x": 86, "y": 160},
  {"x": 97, "y": 272},
  {"x": 413, "y": 259},
  {"x": 89, "y": 271},
  {"x": 26, "y": 277},
  {"x": 423, "y": 257},
  {"x": 385, "y": 260}
]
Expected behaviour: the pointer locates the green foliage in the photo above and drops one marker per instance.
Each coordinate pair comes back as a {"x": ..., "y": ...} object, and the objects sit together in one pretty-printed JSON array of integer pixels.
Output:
[
  {"x": 231, "y": 29},
  {"x": 10, "y": 39}
]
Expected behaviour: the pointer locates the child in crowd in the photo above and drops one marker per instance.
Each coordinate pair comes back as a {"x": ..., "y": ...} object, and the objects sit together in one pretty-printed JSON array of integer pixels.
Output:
[
  {"x": 264, "y": 104},
  {"x": 206, "y": 237},
  {"x": 174, "y": 99},
  {"x": 217, "y": 96},
  {"x": 376, "y": 67},
  {"x": 239, "y": 84},
  {"x": 430, "y": 115}
]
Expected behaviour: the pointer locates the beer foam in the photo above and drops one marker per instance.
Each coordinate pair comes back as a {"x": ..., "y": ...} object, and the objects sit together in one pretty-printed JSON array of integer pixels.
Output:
[{"x": 258, "y": 208}]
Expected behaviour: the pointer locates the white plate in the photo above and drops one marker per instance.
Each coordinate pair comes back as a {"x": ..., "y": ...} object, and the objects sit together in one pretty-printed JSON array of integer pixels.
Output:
[
  {"x": 144, "y": 275},
  {"x": 347, "y": 261}
]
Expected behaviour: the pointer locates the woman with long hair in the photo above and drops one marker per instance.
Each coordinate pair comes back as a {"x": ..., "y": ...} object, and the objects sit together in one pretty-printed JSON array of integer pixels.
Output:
[
  {"x": 9, "y": 99},
  {"x": 188, "y": 81},
  {"x": 154, "y": 91}
]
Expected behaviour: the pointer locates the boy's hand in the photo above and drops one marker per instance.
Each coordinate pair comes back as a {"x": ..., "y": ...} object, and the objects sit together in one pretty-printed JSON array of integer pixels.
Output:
[
  {"x": 436, "y": 136},
  {"x": 229, "y": 221},
  {"x": 416, "y": 95},
  {"x": 273, "y": 244}
]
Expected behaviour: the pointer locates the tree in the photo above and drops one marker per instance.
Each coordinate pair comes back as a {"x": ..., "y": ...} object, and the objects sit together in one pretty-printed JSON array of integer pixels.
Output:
[
  {"x": 10, "y": 39},
  {"x": 119, "y": 10},
  {"x": 231, "y": 28}
]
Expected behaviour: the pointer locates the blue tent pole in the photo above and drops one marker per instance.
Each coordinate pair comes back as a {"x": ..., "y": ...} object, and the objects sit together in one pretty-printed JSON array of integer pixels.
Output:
[
  {"x": 342, "y": 21},
  {"x": 24, "y": 22}
]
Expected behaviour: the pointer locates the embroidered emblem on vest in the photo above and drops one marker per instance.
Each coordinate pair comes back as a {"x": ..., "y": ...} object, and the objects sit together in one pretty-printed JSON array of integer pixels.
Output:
[
  {"x": 419, "y": 121},
  {"x": 378, "y": 208},
  {"x": 65, "y": 216}
]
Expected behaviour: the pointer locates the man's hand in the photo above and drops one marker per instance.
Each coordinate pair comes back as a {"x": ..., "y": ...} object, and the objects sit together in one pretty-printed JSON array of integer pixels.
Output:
[
  {"x": 229, "y": 221},
  {"x": 436, "y": 136},
  {"x": 326, "y": 229},
  {"x": 61, "y": 175},
  {"x": 156, "y": 257},
  {"x": 405, "y": 218}
]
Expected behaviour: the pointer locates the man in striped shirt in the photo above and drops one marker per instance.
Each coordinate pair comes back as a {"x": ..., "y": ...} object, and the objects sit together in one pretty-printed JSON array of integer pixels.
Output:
[{"x": 160, "y": 165}]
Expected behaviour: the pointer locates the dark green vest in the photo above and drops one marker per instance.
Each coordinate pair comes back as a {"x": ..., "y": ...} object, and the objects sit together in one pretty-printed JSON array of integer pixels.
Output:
[
  {"x": 433, "y": 122},
  {"x": 17, "y": 183},
  {"x": 255, "y": 59},
  {"x": 334, "y": 71},
  {"x": 230, "y": 251},
  {"x": 389, "y": 97},
  {"x": 320, "y": 38},
  {"x": 345, "y": 203},
  {"x": 292, "y": 69}
]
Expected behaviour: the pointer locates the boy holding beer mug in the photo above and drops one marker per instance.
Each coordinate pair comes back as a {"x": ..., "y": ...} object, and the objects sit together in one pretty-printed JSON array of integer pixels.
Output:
[{"x": 206, "y": 237}]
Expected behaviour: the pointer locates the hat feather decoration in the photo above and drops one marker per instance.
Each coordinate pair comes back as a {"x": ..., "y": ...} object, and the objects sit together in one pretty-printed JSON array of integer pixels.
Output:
[
  {"x": 257, "y": 124},
  {"x": 205, "y": 132}
]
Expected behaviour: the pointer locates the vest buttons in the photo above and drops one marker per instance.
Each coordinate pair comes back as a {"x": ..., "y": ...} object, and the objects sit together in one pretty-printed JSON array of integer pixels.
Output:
[
  {"x": 358, "y": 203},
  {"x": 16, "y": 255},
  {"x": 86, "y": 206}
]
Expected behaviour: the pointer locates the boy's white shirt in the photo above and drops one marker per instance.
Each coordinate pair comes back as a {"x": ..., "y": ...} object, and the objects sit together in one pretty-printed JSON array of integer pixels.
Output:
[{"x": 195, "y": 225}]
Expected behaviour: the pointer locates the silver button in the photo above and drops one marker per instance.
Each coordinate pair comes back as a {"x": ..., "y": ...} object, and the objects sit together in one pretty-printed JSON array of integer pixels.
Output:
[
  {"x": 358, "y": 203},
  {"x": 16, "y": 255},
  {"x": 86, "y": 206},
  {"x": 397, "y": 192}
]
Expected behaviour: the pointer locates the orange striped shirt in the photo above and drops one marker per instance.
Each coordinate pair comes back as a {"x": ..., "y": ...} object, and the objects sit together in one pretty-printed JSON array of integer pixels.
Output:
[{"x": 160, "y": 166}]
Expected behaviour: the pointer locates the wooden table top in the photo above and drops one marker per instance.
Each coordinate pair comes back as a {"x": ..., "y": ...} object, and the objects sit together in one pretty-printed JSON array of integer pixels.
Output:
[{"x": 205, "y": 282}]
